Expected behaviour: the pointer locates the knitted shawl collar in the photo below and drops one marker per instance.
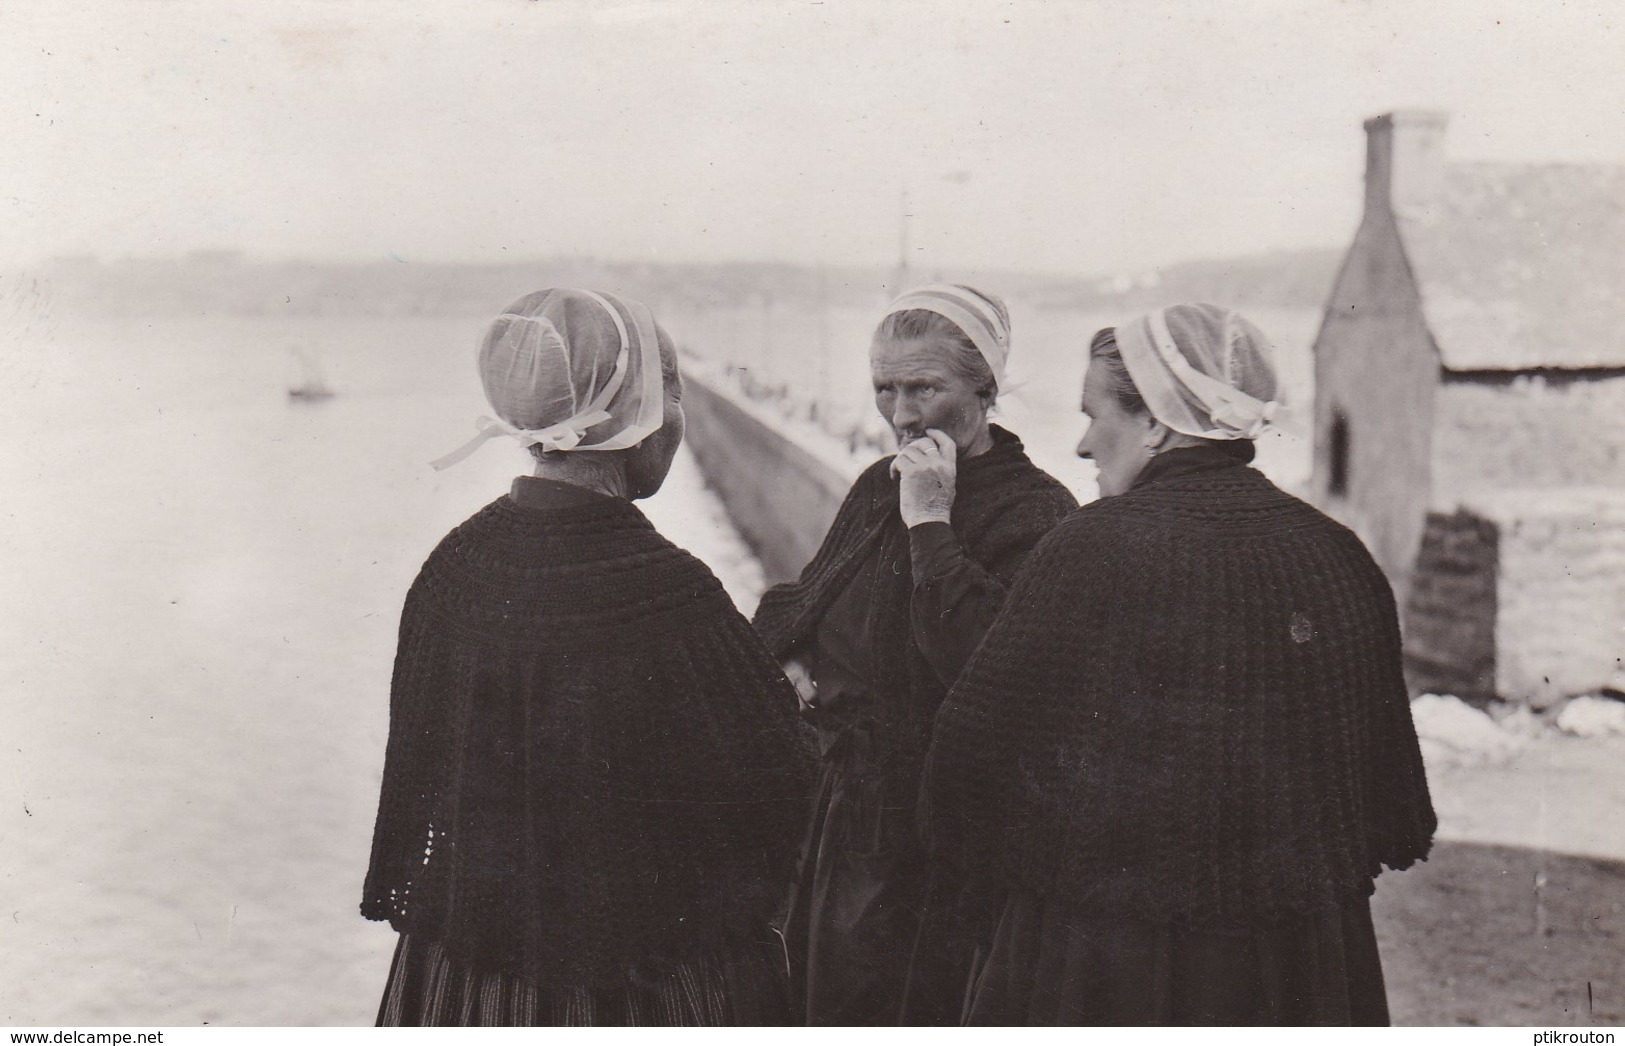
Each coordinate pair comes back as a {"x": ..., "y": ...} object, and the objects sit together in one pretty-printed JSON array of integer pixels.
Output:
[
  {"x": 1003, "y": 504},
  {"x": 1183, "y": 461},
  {"x": 1191, "y": 709},
  {"x": 594, "y": 771},
  {"x": 987, "y": 488}
]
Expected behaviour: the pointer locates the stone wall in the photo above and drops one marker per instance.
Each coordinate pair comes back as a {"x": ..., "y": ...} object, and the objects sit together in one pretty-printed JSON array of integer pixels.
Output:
[
  {"x": 1527, "y": 431},
  {"x": 781, "y": 495},
  {"x": 1560, "y": 616},
  {"x": 1451, "y": 610},
  {"x": 1520, "y": 595}
]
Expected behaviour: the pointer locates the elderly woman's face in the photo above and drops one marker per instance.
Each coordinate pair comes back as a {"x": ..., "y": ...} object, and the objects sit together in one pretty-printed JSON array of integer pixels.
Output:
[
  {"x": 917, "y": 389},
  {"x": 1117, "y": 440}
]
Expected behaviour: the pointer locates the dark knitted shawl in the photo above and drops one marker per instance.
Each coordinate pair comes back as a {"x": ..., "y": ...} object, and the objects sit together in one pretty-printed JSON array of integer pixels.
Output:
[
  {"x": 595, "y": 770},
  {"x": 1190, "y": 709},
  {"x": 1003, "y": 505}
]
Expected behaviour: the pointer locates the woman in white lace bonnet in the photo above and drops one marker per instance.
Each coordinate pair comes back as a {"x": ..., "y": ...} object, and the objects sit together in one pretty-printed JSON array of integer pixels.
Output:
[
  {"x": 588, "y": 807},
  {"x": 558, "y": 369},
  {"x": 1212, "y": 384},
  {"x": 1186, "y": 748}
]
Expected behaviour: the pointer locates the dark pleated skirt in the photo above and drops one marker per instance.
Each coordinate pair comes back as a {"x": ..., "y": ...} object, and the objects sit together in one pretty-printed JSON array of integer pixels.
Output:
[
  {"x": 854, "y": 911},
  {"x": 426, "y": 989},
  {"x": 1051, "y": 965}
]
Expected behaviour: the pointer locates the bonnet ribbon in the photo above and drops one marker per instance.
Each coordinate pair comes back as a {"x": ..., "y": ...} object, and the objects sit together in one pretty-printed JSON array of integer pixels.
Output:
[
  {"x": 1239, "y": 415},
  {"x": 567, "y": 434},
  {"x": 563, "y": 436}
]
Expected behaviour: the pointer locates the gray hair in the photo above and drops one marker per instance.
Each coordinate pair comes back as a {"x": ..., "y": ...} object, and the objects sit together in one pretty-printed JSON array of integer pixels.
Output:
[{"x": 966, "y": 360}]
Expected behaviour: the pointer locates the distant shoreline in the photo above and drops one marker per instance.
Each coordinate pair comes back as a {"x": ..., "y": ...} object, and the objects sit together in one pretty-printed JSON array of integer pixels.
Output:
[{"x": 227, "y": 282}]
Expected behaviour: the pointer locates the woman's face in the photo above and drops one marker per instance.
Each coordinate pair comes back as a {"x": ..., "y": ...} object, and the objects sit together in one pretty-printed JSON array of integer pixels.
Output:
[
  {"x": 1117, "y": 440},
  {"x": 916, "y": 389}
]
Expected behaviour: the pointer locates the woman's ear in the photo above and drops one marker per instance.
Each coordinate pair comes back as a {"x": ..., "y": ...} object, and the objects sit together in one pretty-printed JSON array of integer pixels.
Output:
[{"x": 1156, "y": 434}]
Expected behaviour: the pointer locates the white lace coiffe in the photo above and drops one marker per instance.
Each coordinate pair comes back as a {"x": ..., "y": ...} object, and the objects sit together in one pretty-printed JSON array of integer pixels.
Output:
[
  {"x": 533, "y": 368},
  {"x": 1194, "y": 383},
  {"x": 971, "y": 313}
]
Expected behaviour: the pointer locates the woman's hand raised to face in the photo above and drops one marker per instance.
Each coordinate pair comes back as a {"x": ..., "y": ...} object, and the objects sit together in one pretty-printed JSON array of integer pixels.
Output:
[{"x": 926, "y": 469}]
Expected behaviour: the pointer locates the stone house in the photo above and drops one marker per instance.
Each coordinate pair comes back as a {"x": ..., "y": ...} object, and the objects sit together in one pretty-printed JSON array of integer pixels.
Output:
[{"x": 1470, "y": 411}]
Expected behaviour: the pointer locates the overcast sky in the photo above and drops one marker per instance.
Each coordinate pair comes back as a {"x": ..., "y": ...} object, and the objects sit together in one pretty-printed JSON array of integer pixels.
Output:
[{"x": 1083, "y": 136}]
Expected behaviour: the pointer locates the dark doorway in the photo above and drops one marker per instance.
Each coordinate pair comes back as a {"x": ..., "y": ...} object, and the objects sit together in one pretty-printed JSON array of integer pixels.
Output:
[{"x": 1338, "y": 486}]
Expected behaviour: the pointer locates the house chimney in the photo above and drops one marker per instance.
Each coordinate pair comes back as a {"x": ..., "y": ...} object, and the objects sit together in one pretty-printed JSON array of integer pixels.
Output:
[{"x": 1404, "y": 160}]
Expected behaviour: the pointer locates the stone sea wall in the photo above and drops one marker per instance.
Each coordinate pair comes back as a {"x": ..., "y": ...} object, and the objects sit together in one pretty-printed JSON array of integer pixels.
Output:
[{"x": 780, "y": 490}]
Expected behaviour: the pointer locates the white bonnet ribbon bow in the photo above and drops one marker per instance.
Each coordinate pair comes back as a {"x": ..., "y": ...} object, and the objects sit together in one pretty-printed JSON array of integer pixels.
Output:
[
  {"x": 563, "y": 436},
  {"x": 1238, "y": 413},
  {"x": 1242, "y": 413}
]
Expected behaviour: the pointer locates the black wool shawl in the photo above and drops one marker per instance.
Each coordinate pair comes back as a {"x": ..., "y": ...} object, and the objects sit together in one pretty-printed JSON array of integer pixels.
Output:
[
  {"x": 595, "y": 771},
  {"x": 1003, "y": 505},
  {"x": 1190, "y": 710}
]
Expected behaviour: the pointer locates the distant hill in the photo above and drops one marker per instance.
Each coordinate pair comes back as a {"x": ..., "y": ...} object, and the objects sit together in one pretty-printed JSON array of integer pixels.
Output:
[
  {"x": 224, "y": 282},
  {"x": 229, "y": 283},
  {"x": 1300, "y": 279}
]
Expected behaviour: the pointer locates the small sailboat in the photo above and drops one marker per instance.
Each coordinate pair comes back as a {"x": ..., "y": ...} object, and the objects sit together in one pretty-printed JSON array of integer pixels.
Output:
[{"x": 312, "y": 386}]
